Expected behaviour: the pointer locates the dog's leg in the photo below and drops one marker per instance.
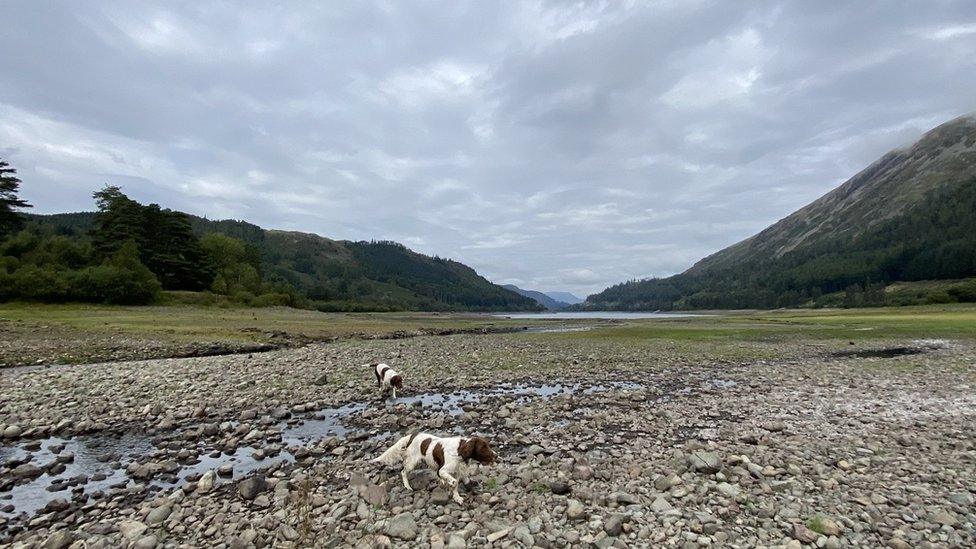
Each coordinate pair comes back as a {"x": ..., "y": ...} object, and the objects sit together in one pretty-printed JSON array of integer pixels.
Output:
[
  {"x": 408, "y": 465},
  {"x": 394, "y": 393},
  {"x": 453, "y": 484}
]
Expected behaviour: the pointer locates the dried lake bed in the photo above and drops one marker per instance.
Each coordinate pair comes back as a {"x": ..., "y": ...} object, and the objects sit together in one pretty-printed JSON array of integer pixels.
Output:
[{"x": 606, "y": 437}]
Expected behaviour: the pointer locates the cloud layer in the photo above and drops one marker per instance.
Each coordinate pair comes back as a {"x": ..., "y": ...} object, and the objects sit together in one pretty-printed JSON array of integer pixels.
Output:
[{"x": 549, "y": 145}]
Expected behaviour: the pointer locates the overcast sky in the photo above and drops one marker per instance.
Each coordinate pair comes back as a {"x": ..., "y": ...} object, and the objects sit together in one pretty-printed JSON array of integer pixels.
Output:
[{"x": 557, "y": 146}]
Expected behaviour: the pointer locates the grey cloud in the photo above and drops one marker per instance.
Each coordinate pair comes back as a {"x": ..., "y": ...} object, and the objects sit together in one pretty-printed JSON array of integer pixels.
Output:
[{"x": 551, "y": 145}]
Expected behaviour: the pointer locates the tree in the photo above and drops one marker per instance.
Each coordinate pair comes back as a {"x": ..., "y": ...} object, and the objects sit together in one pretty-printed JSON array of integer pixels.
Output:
[{"x": 9, "y": 185}]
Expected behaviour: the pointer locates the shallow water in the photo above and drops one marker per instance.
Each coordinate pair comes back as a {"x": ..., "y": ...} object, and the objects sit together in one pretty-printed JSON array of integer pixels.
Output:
[
  {"x": 96, "y": 453},
  {"x": 593, "y": 315}
]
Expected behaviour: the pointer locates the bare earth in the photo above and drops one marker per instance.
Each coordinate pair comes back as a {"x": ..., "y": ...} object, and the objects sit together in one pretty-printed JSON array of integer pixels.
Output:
[{"x": 602, "y": 442}]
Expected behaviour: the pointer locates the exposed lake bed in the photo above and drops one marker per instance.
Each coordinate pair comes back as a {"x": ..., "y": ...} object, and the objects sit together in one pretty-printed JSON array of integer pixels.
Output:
[{"x": 601, "y": 441}]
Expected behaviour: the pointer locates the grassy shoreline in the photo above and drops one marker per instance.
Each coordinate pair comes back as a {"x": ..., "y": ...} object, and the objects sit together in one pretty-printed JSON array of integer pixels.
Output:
[{"x": 32, "y": 333}]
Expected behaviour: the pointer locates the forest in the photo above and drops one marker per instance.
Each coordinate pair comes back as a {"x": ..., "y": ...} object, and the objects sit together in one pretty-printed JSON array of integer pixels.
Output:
[
  {"x": 934, "y": 239},
  {"x": 131, "y": 253}
]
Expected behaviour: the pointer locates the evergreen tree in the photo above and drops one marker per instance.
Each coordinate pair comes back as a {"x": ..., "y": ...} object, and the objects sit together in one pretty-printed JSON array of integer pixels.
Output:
[{"x": 9, "y": 185}]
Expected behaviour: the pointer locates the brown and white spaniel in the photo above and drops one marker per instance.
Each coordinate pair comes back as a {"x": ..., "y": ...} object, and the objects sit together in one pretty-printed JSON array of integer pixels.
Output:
[
  {"x": 387, "y": 378},
  {"x": 447, "y": 456}
]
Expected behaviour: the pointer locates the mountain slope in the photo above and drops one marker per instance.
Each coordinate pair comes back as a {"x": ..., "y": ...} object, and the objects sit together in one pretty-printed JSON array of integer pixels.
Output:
[
  {"x": 346, "y": 275},
  {"x": 538, "y": 297},
  {"x": 905, "y": 217},
  {"x": 565, "y": 297}
]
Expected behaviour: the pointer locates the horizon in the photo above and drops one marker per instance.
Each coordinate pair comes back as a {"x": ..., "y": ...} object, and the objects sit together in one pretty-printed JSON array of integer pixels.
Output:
[{"x": 559, "y": 149}]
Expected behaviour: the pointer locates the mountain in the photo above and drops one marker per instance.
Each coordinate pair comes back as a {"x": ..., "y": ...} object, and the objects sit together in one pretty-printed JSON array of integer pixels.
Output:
[
  {"x": 565, "y": 297},
  {"x": 345, "y": 275},
  {"x": 911, "y": 215},
  {"x": 539, "y": 297}
]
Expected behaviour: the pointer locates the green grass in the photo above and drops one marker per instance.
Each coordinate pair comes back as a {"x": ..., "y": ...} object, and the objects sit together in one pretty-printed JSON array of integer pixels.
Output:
[
  {"x": 198, "y": 323},
  {"x": 817, "y": 525},
  {"x": 955, "y": 321}
]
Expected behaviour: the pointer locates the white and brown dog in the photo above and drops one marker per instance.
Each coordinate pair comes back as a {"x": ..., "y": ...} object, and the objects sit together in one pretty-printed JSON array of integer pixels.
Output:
[
  {"x": 446, "y": 456},
  {"x": 387, "y": 378}
]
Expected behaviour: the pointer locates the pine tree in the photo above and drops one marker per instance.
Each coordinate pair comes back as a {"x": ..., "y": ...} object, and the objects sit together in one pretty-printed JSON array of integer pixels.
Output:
[{"x": 10, "y": 220}]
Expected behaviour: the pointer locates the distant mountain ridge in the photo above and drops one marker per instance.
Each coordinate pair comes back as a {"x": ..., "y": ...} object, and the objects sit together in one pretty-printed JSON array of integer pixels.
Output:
[
  {"x": 539, "y": 297},
  {"x": 565, "y": 297},
  {"x": 351, "y": 275},
  {"x": 911, "y": 215}
]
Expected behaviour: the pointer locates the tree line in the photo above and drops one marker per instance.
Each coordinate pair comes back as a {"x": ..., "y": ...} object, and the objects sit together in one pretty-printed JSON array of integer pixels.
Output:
[{"x": 132, "y": 253}]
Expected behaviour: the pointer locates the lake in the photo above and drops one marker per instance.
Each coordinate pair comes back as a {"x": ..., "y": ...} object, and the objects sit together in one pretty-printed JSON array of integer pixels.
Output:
[{"x": 583, "y": 315}]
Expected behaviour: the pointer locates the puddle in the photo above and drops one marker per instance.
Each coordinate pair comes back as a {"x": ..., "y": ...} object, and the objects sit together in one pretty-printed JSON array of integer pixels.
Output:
[
  {"x": 556, "y": 329},
  {"x": 890, "y": 352},
  {"x": 100, "y": 462},
  {"x": 452, "y": 403}
]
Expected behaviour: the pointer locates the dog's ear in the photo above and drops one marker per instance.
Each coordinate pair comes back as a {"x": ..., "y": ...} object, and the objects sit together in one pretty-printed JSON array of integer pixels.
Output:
[
  {"x": 396, "y": 381},
  {"x": 482, "y": 451},
  {"x": 466, "y": 449}
]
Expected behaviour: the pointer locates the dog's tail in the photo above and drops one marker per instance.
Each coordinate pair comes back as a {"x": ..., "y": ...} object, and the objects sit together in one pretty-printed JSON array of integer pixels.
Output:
[{"x": 395, "y": 452}]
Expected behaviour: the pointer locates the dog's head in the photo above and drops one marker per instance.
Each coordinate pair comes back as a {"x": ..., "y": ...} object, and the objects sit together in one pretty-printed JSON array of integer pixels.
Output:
[
  {"x": 478, "y": 449},
  {"x": 397, "y": 381}
]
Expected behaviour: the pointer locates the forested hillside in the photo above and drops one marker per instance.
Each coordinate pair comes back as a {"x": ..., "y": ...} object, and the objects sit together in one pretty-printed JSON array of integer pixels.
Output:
[
  {"x": 910, "y": 216},
  {"x": 127, "y": 252}
]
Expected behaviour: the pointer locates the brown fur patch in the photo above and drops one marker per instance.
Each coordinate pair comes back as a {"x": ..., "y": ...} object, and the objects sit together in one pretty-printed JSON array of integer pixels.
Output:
[
  {"x": 438, "y": 455},
  {"x": 477, "y": 449},
  {"x": 410, "y": 440},
  {"x": 424, "y": 444},
  {"x": 382, "y": 371},
  {"x": 397, "y": 381}
]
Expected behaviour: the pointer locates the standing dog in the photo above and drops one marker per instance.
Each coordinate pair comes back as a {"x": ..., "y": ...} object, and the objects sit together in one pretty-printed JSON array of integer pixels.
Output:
[
  {"x": 446, "y": 456},
  {"x": 387, "y": 378}
]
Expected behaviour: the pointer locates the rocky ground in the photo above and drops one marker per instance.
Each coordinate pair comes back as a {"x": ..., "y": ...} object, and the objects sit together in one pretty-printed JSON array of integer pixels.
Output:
[{"x": 601, "y": 443}]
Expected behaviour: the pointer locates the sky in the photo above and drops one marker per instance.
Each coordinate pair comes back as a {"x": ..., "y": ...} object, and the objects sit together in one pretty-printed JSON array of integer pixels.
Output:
[{"x": 551, "y": 145}]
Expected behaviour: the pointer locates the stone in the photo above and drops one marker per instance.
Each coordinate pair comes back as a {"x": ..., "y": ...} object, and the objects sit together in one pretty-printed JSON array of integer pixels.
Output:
[
  {"x": 27, "y": 470},
  {"x": 560, "y": 487},
  {"x": 378, "y": 494},
  {"x": 455, "y": 541},
  {"x": 206, "y": 482},
  {"x": 250, "y": 487},
  {"x": 12, "y": 431},
  {"x": 132, "y": 529},
  {"x": 495, "y": 536},
  {"x": 402, "y": 526},
  {"x": 705, "y": 462},
  {"x": 661, "y": 505},
  {"x": 575, "y": 510},
  {"x": 614, "y": 525},
  {"x": 59, "y": 540},
  {"x": 158, "y": 515},
  {"x": 146, "y": 542}
]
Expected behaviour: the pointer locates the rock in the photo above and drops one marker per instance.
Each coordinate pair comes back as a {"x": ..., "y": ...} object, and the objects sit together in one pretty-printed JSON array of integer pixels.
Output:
[
  {"x": 705, "y": 462},
  {"x": 660, "y": 505},
  {"x": 27, "y": 470},
  {"x": 250, "y": 487},
  {"x": 728, "y": 490},
  {"x": 495, "y": 536},
  {"x": 146, "y": 542},
  {"x": 944, "y": 518},
  {"x": 623, "y": 498},
  {"x": 575, "y": 510},
  {"x": 321, "y": 380},
  {"x": 402, "y": 526},
  {"x": 898, "y": 543},
  {"x": 132, "y": 529},
  {"x": 59, "y": 540},
  {"x": 377, "y": 494},
  {"x": 158, "y": 515},
  {"x": 455, "y": 541},
  {"x": 12, "y": 431},
  {"x": 560, "y": 487},
  {"x": 664, "y": 482},
  {"x": 206, "y": 482},
  {"x": 803, "y": 534},
  {"x": 614, "y": 525}
]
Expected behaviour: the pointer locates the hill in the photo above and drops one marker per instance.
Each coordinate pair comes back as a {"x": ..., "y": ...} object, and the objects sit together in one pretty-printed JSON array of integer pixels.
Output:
[
  {"x": 344, "y": 275},
  {"x": 909, "y": 216},
  {"x": 539, "y": 297},
  {"x": 565, "y": 297}
]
